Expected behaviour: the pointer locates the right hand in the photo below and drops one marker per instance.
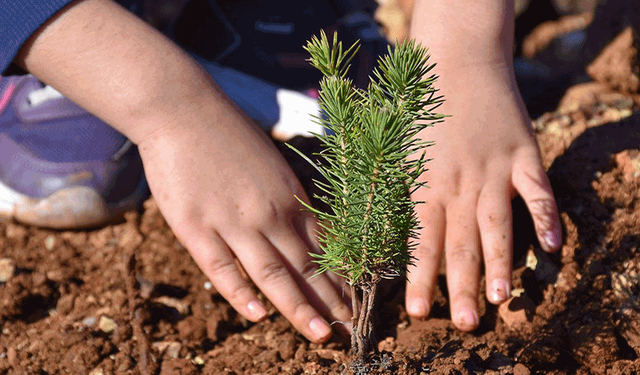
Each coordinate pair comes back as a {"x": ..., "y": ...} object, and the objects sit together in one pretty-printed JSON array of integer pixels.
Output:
[{"x": 484, "y": 155}]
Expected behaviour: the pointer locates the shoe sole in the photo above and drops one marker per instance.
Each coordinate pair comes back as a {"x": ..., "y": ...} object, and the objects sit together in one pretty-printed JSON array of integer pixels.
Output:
[{"x": 76, "y": 207}]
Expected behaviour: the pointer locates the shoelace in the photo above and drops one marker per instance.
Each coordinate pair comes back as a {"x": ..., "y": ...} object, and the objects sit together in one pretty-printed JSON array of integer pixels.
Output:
[{"x": 6, "y": 96}]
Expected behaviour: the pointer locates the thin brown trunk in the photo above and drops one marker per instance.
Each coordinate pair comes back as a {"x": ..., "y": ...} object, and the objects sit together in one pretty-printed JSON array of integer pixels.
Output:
[{"x": 362, "y": 336}]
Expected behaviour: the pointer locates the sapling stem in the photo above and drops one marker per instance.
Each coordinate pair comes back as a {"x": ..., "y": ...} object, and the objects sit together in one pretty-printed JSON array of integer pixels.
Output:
[{"x": 371, "y": 160}]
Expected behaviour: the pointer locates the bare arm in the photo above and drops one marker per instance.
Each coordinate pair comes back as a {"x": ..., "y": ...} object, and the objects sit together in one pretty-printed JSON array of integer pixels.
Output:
[{"x": 222, "y": 186}]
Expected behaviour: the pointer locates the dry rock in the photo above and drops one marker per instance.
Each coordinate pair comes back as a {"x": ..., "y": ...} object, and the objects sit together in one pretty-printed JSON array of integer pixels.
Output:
[
  {"x": 173, "y": 349},
  {"x": 49, "y": 242},
  {"x": 16, "y": 232},
  {"x": 182, "y": 307},
  {"x": 520, "y": 369},
  {"x": 170, "y": 348},
  {"x": 106, "y": 325},
  {"x": 7, "y": 269}
]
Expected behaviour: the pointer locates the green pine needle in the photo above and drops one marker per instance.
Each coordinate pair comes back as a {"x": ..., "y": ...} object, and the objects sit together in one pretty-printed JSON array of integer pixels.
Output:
[{"x": 372, "y": 226}]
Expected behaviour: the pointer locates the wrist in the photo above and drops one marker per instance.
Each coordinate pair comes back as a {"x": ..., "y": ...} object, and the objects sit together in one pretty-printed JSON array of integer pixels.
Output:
[{"x": 461, "y": 33}]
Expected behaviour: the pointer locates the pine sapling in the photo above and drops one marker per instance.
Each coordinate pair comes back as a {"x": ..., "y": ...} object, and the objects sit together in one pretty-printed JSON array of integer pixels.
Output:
[{"x": 371, "y": 161}]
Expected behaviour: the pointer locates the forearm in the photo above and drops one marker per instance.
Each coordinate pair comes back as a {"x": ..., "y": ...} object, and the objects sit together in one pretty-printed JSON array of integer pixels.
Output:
[
  {"x": 465, "y": 32},
  {"x": 123, "y": 71}
]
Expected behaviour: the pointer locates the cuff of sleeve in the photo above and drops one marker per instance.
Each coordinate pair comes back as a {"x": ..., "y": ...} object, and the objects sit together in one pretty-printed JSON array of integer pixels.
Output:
[{"x": 19, "y": 20}]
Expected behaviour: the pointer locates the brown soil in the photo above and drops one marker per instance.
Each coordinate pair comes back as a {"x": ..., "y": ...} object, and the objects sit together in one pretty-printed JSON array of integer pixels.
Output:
[{"x": 128, "y": 299}]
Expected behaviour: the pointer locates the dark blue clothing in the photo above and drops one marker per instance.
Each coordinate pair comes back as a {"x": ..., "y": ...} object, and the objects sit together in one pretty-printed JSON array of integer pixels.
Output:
[{"x": 19, "y": 19}]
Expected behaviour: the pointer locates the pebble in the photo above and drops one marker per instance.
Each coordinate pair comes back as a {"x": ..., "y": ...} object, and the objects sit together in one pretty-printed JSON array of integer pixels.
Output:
[
  {"x": 520, "y": 369},
  {"x": 106, "y": 325},
  {"x": 198, "y": 361},
  {"x": 171, "y": 348},
  {"x": 97, "y": 371},
  {"x": 16, "y": 232},
  {"x": 207, "y": 285},
  {"x": 49, "y": 242},
  {"x": 183, "y": 308},
  {"x": 7, "y": 269},
  {"x": 89, "y": 321}
]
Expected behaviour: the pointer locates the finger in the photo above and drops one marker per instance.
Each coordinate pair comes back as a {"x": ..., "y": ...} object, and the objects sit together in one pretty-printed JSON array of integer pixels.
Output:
[
  {"x": 423, "y": 274},
  {"x": 269, "y": 272},
  {"x": 307, "y": 226},
  {"x": 217, "y": 262},
  {"x": 325, "y": 294},
  {"x": 495, "y": 224},
  {"x": 462, "y": 253},
  {"x": 531, "y": 182}
]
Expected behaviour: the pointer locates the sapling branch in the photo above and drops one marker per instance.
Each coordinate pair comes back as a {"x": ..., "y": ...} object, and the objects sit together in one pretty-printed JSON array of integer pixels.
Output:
[{"x": 371, "y": 161}]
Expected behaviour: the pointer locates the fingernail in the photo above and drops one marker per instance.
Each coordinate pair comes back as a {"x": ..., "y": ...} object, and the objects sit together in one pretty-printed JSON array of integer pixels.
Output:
[
  {"x": 500, "y": 290},
  {"x": 320, "y": 329},
  {"x": 467, "y": 319},
  {"x": 417, "y": 307},
  {"x": 257, "y": 311},
  {"x": 552, "y": 239}
]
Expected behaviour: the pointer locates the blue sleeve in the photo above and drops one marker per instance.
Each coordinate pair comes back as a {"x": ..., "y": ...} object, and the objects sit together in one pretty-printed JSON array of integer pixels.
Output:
[{"x": 19, "y": 19}]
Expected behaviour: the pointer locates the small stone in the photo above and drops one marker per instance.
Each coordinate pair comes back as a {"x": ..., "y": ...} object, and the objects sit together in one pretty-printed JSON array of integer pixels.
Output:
[
  {"x": 531, "y": 260},
  {"x": 517, "y": 311},
  {"x": 198, "y": 361},
  {"x": 183, "y": 308},
  {"x": 49, "y": 242},
  {"x": 16, "y": 232},
  {"x": 173, "y": 349},
  {"x": 106, "y": 325},
  {"x": 89, "y": 321},
  {"x": 7, "y": 269},
  {"x": 208, "y": 285},
  {"x": 161, "y": 346},
  {"x": 97, "y": 371},
  {"x": 520, "y": 369}
]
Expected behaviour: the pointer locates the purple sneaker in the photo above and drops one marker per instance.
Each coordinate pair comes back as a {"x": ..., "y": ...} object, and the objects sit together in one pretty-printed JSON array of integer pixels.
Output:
[{"x": 61, "y": 167}]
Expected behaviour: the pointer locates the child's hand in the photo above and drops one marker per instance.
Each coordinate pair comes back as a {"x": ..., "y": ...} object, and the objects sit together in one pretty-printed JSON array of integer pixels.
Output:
[
  {"x": 222, "y": 186},
  {"x": 229, "y": 195},
  {"x": 484, "y": 155}
]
